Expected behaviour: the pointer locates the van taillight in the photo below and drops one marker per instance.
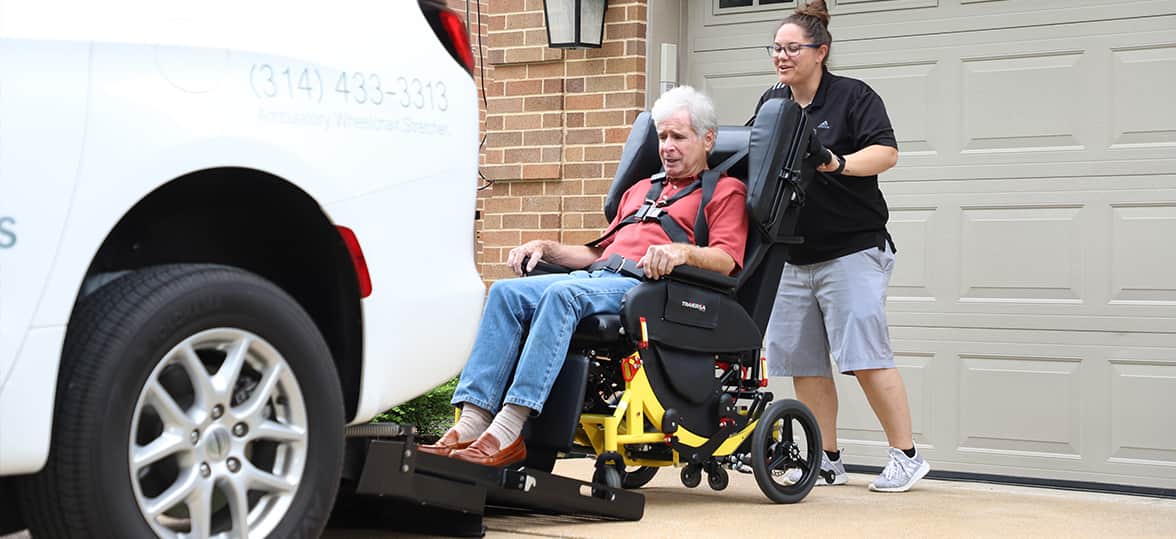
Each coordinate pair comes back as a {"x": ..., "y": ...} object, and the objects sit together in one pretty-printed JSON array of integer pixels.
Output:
[
  {"x": 363, "y": 278},
  {"x": 451, "y": 31}
]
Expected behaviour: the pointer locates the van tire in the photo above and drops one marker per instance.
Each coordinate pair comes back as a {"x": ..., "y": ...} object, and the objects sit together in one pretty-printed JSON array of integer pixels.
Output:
[{"x": 119, "y": 337}]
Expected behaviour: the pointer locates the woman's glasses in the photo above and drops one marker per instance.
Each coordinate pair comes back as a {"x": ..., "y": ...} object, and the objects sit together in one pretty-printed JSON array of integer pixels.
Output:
[{"x": 789, "y": 49}]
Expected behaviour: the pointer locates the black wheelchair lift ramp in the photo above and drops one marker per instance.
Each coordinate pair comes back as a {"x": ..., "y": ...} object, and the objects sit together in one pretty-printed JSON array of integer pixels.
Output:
[{"x": 388, "y": 484}]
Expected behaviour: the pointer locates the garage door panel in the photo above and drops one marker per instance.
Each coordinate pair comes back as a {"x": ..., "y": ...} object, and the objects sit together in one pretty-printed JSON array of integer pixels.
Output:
[
  {"x": 1142, "y": 78},
  {"x": 1143, "y": 263},
  {"x": 1019, "y": 253},
  {"x": 1022, "y": 103},
  {"x": 1002, "y": 409},
  {"x": 1143, "y": 397}
]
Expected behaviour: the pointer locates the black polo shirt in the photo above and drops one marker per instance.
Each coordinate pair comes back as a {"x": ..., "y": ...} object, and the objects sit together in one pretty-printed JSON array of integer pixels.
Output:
[{"x": 841, "y": 214}]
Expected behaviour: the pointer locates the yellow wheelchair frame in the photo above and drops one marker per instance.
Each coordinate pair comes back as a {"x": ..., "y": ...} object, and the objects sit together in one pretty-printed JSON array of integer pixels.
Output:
[{"x": 639, "y": 420}]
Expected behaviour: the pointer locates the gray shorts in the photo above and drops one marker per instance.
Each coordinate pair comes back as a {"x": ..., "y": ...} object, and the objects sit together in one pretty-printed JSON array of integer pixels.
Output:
[{"x": 833, "y": 308}]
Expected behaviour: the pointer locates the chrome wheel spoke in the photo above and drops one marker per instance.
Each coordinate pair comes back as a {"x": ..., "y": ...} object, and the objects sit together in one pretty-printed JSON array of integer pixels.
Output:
[
  {"x": 165, "y": 445},
  {"x": 225, "y": 378},
  {"x": 197, "y": 374},
  {"x": 272, "y": 430},
  {"x": 168, "y": 409},
  {"x": 261, "y": 480},
  {"x": 238, "y": 499},
  {"x": 200, "y": 509}
]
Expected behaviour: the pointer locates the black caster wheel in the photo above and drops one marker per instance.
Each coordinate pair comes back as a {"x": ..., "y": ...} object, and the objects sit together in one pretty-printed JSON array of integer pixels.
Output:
[
  {"x": 717, "y": 478},
  {"x": 608, "y": 476},
  {"x": 692, "y": 475}
]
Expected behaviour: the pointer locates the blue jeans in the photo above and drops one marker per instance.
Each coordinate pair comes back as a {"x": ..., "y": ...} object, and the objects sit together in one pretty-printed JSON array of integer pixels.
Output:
[{"x": 554, "y": 306}]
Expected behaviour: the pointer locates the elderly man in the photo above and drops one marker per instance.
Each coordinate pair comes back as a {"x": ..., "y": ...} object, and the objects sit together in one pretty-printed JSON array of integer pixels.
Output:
[{"x": 554, "y": 304}]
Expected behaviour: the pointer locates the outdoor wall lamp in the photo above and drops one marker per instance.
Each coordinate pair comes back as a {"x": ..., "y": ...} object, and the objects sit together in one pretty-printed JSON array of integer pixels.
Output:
[{"x": 573, "y": 24}]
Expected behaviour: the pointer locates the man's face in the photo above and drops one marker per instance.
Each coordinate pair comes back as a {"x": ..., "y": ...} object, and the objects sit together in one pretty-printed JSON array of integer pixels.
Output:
[{"x": 683, "y": 152}]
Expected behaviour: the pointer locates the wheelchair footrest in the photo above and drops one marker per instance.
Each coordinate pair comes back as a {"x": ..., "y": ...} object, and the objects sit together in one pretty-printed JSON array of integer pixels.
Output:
[{"x": 393, "y": 470}]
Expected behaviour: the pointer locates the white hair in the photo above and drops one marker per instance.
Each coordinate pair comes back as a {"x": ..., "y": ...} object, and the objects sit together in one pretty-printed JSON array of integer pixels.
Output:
[{"x": 702, "y": 110}]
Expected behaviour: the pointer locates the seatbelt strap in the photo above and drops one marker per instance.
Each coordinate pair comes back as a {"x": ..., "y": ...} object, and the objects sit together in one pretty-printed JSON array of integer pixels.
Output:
[{"x": 710, "y": 179}]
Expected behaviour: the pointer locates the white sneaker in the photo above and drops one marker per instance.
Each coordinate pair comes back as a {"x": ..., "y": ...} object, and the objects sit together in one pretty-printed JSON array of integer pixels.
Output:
[
  {"x": 901, "y": 473},
  {"x": 834, "y": 467}
]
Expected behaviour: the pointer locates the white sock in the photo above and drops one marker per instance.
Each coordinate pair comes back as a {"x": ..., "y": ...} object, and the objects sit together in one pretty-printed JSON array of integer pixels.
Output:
[
  {"x": 508, "y": 424},
  {"x": 472, "y": 423}
]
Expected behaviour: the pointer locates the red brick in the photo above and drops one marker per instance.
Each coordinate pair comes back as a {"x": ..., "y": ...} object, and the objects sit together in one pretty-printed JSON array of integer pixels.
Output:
[
  {"x": 525, "y": 20},
  {"x": 584, "y": 102},
  {"x": 604, "y": 118},
  {"x": 618, "y": 100},
  {"x": 510, "y": 72},
  {"x": 524, "y": 121},
  {"x": 494, "y": 23},
  {"x": 552, "y": 235},
  {"x": 520, "y": 220},
  {"x": 582, "y": 203},
  {"x": 503, "y": 172},
  {"x": 575, "y": 119},
  {"x": 502, "y": 7},
  {"x": 575, "y": 85},
  {"x": 502, "y": 40},
  {"x": 604, "y": 83},
  {"x": 617, "y": 134},
  {"x": 597, "y": 153},
  {"x": 524, "y": 87},
  {"x": 573, "y": 153},
  {"x": 500, "y": 237},
  {"x": 540, "y": 171},
  {"x": 579, "y": 237},
  {"x": 504, "y": 139},
  {"x": 582, "y": 170},
  {"x": 550, "y": 102},
  {"x": 595, "y": 220},
  {"x": 521, "y": 155},
  {"x": 526, "y": 189},
  {"x": 585, "y": 67},
  {"x": 544, "y": 137},
  {"x": 624, "y": 65},
  {"x": 541, "y": 204},
  {"x": 554, "y": 119},
  {"x": 598, "y": 186},
  {"x": 569, "y": 186},
  {"x": 584, "y": 136},
  {"x": 499, "y": 105},
  {"x": 544, "y": 71},
  {"x": 624, "y": 30},
  {"x": 492, "y": 157},
  {"x": 608, "y": 49}
]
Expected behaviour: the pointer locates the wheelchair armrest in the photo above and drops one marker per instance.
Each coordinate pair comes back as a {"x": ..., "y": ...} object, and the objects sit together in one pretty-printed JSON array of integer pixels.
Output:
[
  {"x": 704, "y": 278},
  {"x": 544, "y": 268}
]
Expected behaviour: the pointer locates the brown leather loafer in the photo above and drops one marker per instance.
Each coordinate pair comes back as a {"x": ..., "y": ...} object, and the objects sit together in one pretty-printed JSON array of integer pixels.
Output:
[
  {"x": 485, "y": 451},
  {"x": 445, "y": 446}
]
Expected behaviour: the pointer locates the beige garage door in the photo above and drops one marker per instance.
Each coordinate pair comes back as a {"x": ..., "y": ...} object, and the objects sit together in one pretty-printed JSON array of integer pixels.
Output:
[{"x": 1033, "y": 307}]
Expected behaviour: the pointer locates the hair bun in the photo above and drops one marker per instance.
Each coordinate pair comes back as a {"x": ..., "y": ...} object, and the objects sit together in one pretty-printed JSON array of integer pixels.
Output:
[{"x": 815, "y": 9}]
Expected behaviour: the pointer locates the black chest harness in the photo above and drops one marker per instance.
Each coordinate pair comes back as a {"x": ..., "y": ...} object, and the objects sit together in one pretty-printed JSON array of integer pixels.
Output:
[{"x": 655, "y": 210}]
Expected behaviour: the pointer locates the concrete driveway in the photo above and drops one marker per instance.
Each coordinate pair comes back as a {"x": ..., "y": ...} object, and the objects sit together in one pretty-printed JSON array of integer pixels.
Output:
[{"x": 932, "y": 509}]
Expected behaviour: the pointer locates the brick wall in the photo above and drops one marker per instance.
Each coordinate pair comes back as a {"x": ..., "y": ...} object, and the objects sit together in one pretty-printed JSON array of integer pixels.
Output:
[{"x": 555, "y": 125}]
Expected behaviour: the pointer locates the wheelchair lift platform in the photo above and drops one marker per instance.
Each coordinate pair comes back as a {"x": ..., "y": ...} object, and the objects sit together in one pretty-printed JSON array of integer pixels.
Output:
[{"x": 388, "y": 484}]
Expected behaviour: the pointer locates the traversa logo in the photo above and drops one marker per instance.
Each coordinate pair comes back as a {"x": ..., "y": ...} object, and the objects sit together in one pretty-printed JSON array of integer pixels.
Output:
[
  {"x": 7, "y": 233},
  {"x": 694, "y": 305}
]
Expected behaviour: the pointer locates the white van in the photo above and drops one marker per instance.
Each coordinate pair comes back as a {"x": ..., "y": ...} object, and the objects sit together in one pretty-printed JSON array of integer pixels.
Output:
[{"x": 227, "y": 230}]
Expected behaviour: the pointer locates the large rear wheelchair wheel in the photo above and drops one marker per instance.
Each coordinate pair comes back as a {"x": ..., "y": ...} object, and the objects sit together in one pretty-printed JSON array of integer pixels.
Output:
[
  {"x": 638, "y": 477},
  {"x": 786, "y": 438}
]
